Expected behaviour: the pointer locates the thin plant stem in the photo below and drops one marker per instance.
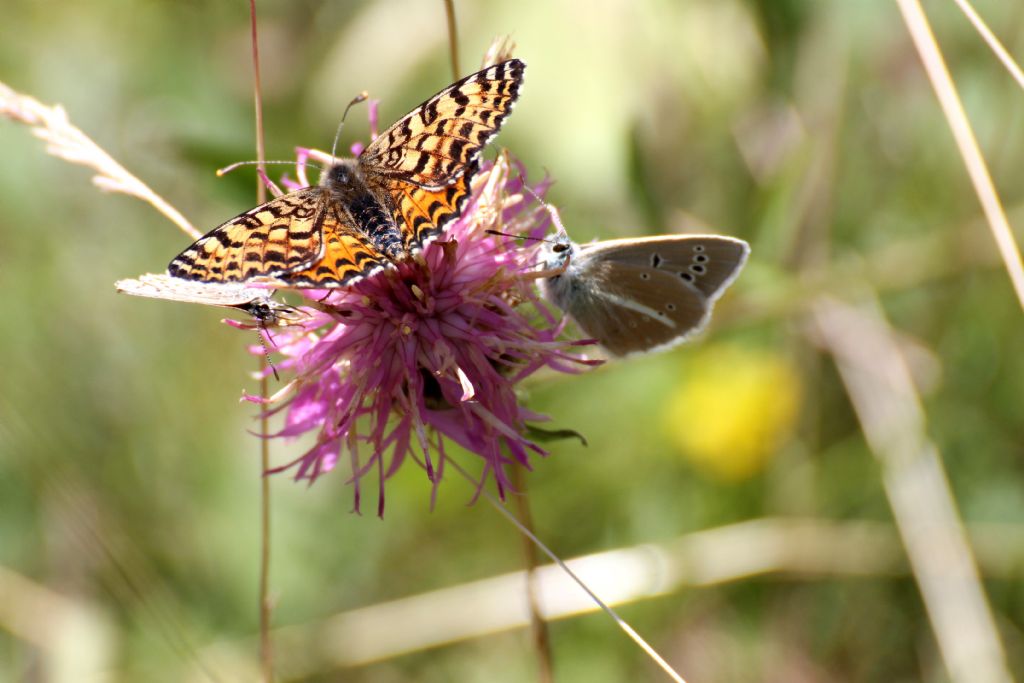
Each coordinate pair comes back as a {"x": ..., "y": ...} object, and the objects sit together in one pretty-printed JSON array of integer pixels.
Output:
[
  {"x": 453, "y": 38},
  {"x": 257, "y": 96},
  {"x": 931, "y": 56},
  {"x": 803, "y": 550},
  {"x": 885, "y": 400},
  {"x": 993, "y": 42},
  {"x": 538, "y": 624},
  {"x": 633, "y": 635},
  {"x": 266, "y": 650}
]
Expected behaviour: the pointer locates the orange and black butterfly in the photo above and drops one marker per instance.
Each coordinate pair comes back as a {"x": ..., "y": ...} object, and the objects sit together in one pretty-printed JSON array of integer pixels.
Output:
[{"x": 369, "y": 212}]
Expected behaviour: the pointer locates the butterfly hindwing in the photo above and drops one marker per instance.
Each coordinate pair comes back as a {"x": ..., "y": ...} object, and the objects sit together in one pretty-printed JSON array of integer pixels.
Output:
[
  {"x": 347, "y": 256},
  {"x": 426, "y": 213},
  {"x": 647, "y": 307},
  {"x": 627, "y": 319},
  {"x": 439, "y": 141},
  {"x": 277, "y": 237}
]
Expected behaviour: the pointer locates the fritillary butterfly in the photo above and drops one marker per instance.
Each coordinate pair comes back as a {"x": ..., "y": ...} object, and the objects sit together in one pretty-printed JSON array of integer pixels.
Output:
[{"x": 370, "y": 212}]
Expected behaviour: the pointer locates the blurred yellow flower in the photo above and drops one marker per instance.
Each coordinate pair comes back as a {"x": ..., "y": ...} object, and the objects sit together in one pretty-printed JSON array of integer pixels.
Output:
[{"x": 734, "y": 409}]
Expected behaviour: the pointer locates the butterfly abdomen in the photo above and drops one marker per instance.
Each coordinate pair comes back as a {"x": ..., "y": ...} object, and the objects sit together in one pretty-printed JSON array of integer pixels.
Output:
[{"x": 376, "y": 222}]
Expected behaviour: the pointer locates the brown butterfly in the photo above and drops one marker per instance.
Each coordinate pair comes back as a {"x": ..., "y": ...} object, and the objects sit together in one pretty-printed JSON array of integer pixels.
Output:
[
  {"x": 369, "y": 212},
  {"x": 645, "y": 293}
]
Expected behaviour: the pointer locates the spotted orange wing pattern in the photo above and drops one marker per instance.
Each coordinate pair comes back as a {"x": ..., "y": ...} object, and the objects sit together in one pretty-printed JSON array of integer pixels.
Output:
[
  {"x": 428, "y": 212},
  {"x": 347, "y": 256},
  {"x": 280, "y": 236},
  {"x": 435, "y": 144}
]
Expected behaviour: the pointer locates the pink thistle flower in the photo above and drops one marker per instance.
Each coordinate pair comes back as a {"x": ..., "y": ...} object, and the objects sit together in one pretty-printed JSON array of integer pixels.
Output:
[{"x": 431, "y": 348}]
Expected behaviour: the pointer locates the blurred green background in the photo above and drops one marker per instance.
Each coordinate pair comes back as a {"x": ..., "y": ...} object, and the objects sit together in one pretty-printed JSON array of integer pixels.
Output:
[{"x": 128, "y": 481}]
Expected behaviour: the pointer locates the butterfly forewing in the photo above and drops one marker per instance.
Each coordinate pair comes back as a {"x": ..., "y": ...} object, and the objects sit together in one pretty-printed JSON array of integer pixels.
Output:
[
  {"x": 438, "y": 142},
  {"x": 277, "y": 237},
  {"x": 708, "y": 262}
]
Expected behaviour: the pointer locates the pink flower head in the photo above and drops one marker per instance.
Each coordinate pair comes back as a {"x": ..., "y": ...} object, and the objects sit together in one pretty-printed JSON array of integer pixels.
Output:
[{"x": 431, "y": 348}]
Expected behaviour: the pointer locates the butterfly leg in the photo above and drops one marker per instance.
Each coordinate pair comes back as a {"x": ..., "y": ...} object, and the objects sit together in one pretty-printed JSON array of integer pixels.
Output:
[
  {"x": 546, "y": 272},
  {"x": 266, "y": 351}
]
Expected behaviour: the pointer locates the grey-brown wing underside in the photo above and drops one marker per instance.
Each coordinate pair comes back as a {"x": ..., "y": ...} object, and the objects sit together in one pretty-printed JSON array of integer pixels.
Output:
[
  {"x": 630, "y": 309},
  {"x": 708, "y": 262}
]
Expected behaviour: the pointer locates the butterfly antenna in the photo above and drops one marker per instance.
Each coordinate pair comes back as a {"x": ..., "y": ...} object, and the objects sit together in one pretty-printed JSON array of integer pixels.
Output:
[
  {"x": 520, "y": 237},
  {"x": 232, "y": 167},
  {"x": 355, "y": 100},
  {"x": 552, "y": 211},
  {"x": 559, "y": 246},
  {"x": 266, "y": 351}
]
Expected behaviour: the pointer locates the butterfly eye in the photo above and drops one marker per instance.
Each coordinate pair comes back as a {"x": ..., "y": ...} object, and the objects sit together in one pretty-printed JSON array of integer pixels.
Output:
[{"x": 559, "y": 247}]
